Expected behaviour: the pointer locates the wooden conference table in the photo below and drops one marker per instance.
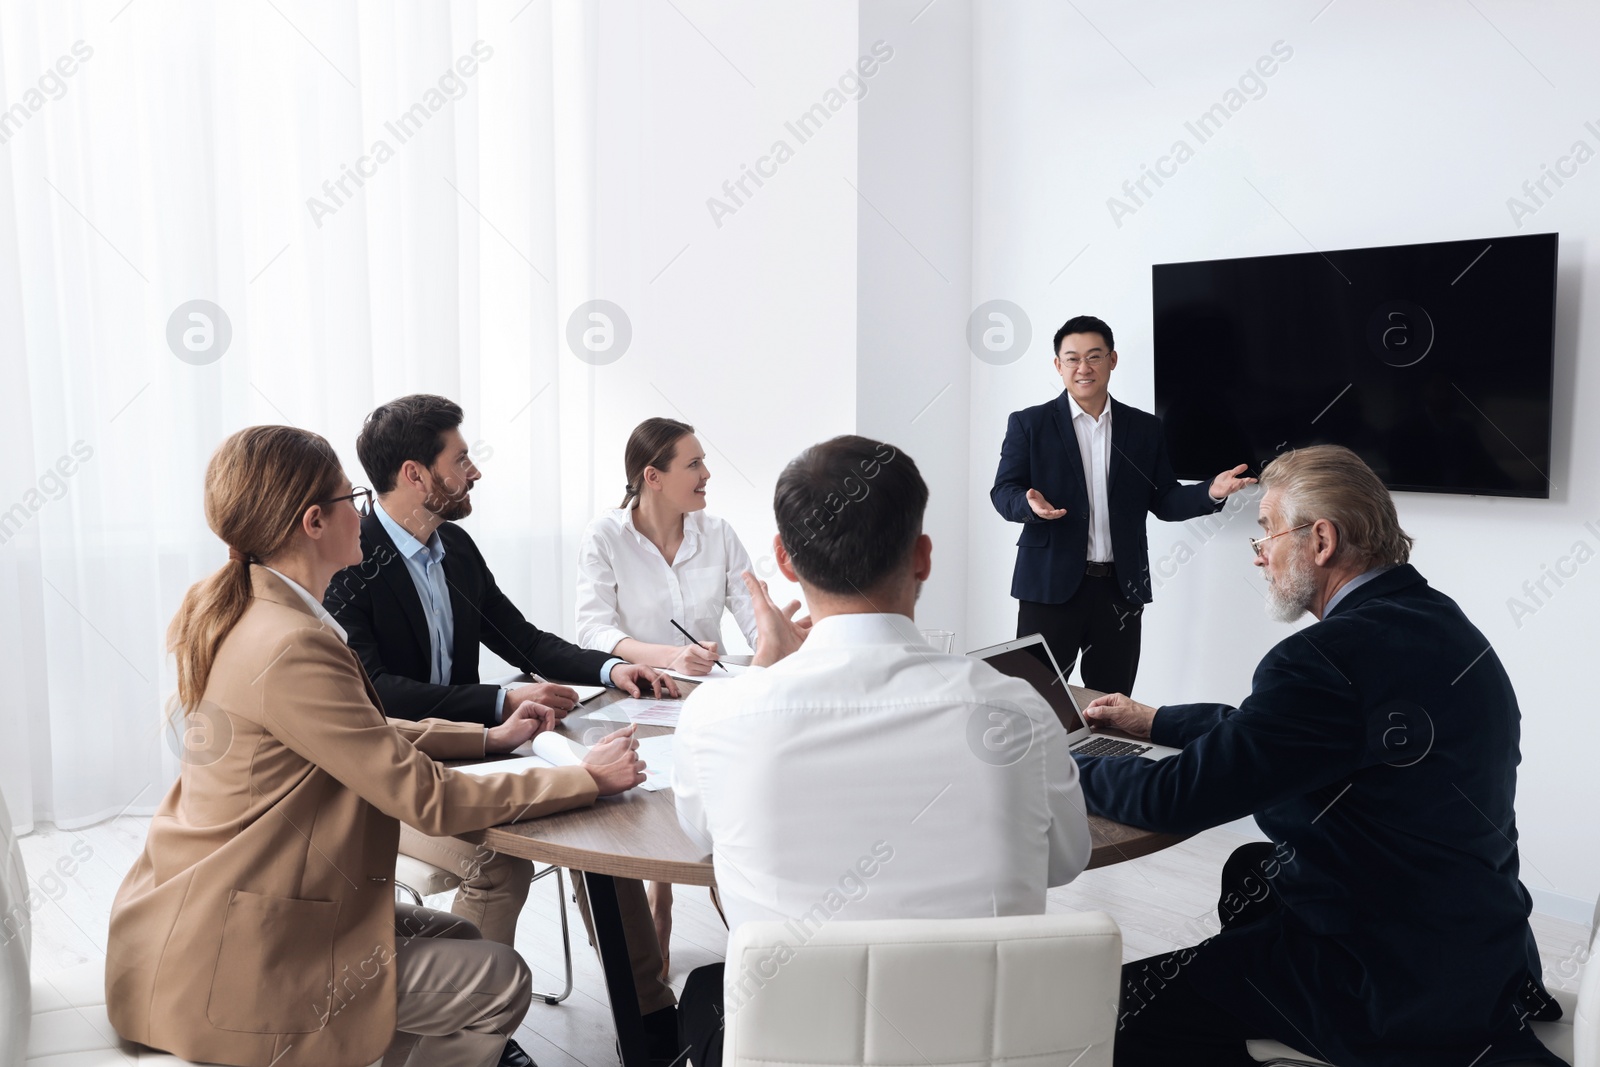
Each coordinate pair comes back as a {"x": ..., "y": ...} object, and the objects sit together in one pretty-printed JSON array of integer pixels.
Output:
[{"x": 638, "y": 836}]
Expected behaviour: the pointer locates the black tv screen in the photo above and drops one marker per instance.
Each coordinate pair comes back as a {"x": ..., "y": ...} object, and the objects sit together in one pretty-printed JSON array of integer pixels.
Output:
[{"x": 1433, "y": 362}]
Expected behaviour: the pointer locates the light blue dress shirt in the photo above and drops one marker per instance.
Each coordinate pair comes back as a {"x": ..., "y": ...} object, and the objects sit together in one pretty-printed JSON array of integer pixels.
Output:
[
  {"x": 1353, "y": 584},
  {"x": 425, "y": 564}
]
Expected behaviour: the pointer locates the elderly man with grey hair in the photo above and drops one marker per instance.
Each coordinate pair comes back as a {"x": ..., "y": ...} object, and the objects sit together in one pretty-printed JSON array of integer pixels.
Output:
[{"x": 1383, "y": 922}]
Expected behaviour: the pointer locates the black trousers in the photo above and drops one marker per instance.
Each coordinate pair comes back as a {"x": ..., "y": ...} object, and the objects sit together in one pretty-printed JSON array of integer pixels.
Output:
[
  {"x": 1097, "y": 622},
  {"x": 700, "y": 1016},
  {"x": 1165, "y": 1017}
]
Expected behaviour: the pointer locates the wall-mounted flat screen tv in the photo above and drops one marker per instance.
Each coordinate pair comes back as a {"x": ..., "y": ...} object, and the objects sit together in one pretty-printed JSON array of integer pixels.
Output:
[{"x": 1433, "y": 362}]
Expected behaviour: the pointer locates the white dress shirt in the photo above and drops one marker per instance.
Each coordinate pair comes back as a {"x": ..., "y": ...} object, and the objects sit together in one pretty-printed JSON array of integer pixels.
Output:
[
  {"x": 314, "y": 604},
  {"x": 870, "y": 777},
  {"x": 1094, "y": 451},
  {"x": 626, "y": 588}
]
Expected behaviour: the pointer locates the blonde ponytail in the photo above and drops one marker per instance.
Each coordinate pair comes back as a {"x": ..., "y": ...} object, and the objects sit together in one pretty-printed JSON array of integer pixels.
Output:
[
  {"x": 259, "y": 483},
  {"x": 210, "y": 609}
]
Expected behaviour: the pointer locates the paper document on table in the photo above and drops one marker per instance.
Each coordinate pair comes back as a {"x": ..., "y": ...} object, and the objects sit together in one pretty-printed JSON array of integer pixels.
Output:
[
  {"x": 553, "y": 750},
  {"x": 642, "y": 710},
  {"x": 606, "y": 713},
  {"x": 649, "y": 712},
  {"x": 733, "y": 671},
  {"x": 657, "y": 755},
  {"x": 507, "y": 766},
  {"x": 559, "y": 751},
  {"x": 587, "y": 692}
]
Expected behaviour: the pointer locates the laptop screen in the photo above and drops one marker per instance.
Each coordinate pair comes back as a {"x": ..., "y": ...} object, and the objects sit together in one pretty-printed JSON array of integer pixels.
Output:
[{"x": 1028, "y": 664}]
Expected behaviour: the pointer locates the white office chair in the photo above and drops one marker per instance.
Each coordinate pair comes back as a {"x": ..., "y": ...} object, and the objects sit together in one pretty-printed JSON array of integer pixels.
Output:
[
  {"x": 1575, "y": 1038},
  {"x": 419, "y": 878},
  {"x": 55, "y": 1019},
  {"x": 1017, "y": 989}
]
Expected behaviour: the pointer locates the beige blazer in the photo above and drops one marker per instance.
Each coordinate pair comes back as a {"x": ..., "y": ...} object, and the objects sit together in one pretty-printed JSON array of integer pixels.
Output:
[{"x": 257, "y": 928}]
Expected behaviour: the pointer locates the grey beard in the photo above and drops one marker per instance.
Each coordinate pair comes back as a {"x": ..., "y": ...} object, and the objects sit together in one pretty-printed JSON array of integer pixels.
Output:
[{"x": 1291, "y": 599}]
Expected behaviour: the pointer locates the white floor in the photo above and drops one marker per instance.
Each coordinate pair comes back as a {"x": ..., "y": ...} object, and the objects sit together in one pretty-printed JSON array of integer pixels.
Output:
[{"x": 1162, "y": 902}]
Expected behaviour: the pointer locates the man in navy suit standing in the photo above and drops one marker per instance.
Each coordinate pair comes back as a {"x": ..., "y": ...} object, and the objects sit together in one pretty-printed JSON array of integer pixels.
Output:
[{"x": 1082, "y": 577}]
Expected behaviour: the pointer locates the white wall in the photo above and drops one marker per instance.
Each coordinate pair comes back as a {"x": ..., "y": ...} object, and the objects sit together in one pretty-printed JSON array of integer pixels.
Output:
[
  {"x": 1389, "y": 124},
  {"x": 744, "y": 329},
  {"x": 743, "y": 320},
  {"x": 914, "y": 254}
]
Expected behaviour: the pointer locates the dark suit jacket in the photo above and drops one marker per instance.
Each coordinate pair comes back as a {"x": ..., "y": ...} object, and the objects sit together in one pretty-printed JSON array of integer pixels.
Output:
[
  {"x": 1378, "y": 748},
  {"x": 1041, "y": 452},
  {"x": 377, "y": 603}
]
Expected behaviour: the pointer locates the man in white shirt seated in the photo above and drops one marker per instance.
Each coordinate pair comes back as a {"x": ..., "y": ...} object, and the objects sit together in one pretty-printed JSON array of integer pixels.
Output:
[{"x": 863, "y": 775}]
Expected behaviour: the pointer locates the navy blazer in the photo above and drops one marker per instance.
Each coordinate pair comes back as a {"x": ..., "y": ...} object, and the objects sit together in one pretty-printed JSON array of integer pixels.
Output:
[
  {"x": 1041, "y": 452},
  {"x": 377, "y": 604},
  {"x": 1378, "y": 749}
]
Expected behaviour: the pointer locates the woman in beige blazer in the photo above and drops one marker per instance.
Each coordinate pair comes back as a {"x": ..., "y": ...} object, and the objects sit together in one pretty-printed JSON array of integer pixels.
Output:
[{"x": 259, "y": 925}]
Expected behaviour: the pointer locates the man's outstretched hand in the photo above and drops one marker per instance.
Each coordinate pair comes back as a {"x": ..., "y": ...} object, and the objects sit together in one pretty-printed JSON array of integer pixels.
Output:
[
  {"x": 1228, "y": 483},
  {"x": 1042, "y": 507},
  {"x": 778, "y": 632}
]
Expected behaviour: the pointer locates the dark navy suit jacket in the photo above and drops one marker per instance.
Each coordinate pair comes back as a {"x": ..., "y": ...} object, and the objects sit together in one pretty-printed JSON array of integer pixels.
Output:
[
  {"x": 1041, "y": 452},
  {"x": 376, "y": 601},
  {"x": 1378, "y": 748}
]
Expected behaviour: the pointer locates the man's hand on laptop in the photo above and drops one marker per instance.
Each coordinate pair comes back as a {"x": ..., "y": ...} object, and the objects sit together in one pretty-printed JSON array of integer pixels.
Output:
[
  {"x": 527, "y": 719},
  {"x": 1121, "y": 713},
  {"x": 778, "y": 632},
  {"x": 551, "y": 695}
]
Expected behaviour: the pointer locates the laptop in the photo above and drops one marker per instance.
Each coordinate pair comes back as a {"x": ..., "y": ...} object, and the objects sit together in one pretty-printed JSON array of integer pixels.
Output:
[{"x": 1030, "y": 659}]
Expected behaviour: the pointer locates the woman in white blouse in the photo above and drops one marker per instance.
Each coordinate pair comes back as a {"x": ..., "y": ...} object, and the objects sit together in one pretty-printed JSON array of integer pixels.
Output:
[
  {"x": 657, "y": 559},
  {"x": 660, "y": 558}
]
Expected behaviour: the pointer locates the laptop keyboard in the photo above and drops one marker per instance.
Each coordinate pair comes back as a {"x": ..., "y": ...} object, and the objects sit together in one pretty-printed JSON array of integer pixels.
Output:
[{"x": 1109, "y": 746}]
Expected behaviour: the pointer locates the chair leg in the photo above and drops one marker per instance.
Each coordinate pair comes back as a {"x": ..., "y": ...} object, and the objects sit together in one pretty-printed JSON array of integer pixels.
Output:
[
  {"x": 566, "y": 941},
  {"x": 416, "y": 897},
  {"x": 716, "y": 902}
]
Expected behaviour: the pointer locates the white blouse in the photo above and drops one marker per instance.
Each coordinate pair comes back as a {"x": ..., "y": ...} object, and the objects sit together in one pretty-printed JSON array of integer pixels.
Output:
[{"x": 626, "y": 588}]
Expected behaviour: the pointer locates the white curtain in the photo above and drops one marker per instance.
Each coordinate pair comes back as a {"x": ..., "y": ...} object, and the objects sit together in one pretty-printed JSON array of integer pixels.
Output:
[{"x": 373, "y": 199}]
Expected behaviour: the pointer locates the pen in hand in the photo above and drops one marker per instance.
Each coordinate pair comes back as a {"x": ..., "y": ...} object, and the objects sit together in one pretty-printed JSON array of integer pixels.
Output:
[{"x": 692, "y": 640}]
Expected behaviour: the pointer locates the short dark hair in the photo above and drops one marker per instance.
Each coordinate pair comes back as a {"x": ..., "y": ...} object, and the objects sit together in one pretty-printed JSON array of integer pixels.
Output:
[
  {"x": 1084, "y": 324},
  {"x": 409, "y": 427},
  {"x": 849, "y": 512}
]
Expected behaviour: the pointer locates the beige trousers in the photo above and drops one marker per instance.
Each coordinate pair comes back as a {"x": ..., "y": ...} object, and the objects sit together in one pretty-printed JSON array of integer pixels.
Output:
[
  {"x": 494, "y": 887},
  {"x": 458, "y": 998}
]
